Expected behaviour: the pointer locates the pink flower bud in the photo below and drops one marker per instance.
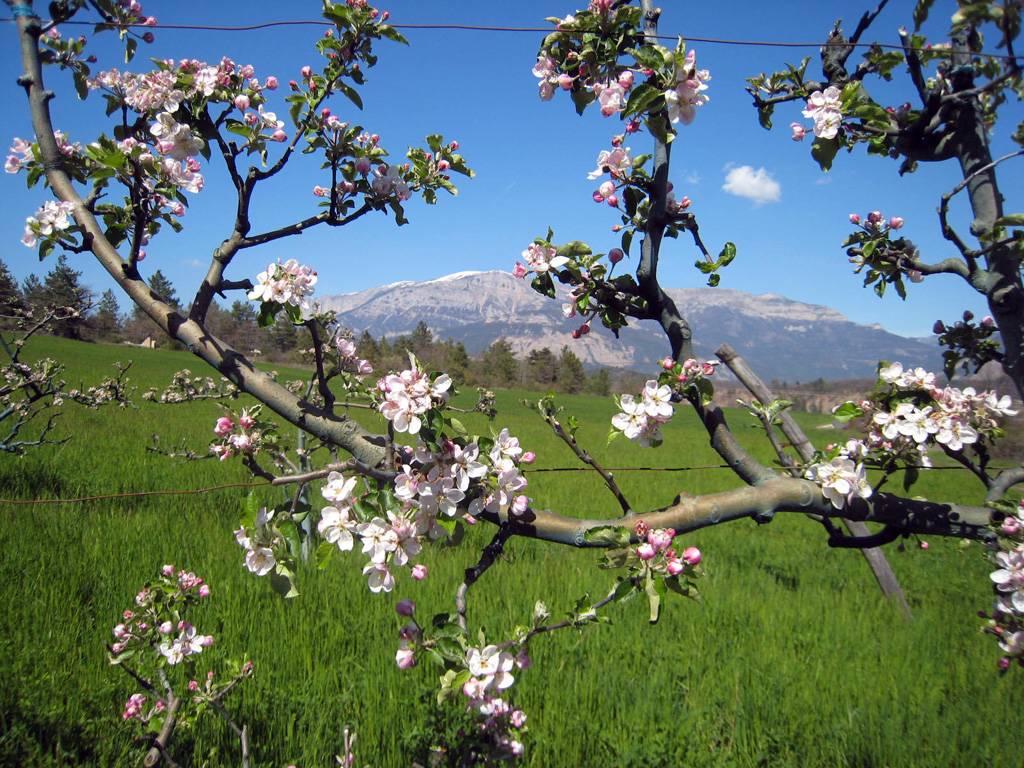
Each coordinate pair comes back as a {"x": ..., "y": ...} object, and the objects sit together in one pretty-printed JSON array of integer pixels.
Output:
[
  {"x": 645, "y": 551},
  {"x": 585, "y": 329},
  {"x": 141, "y": 256},
  {"x": 692, "y": 555},
  {"x": 116, "y": 648},
  {"x": 271, "y": 84},
  {"x": 419, "y": 572},
  {"x": 626, "y": 79},
  {"x": 668, "y": 363},
  {"x": 565, "y": 81},
  {"x": 988, "y": 321},
  {"x": 855, "y": 219},
  {"x": 168, "y": 570},
  {"x": 362, "y": 165},
  {"x": 606, "y": 190},
  {"x": 148, "y": 37},
  {"x": 405, "y": 658},
  {"x": 519, "y": 270},
  {"x": 405, "y": 607},
  {"x": 520, "y": 504},
  {"x": 207, "y": 641},
  {"x": 674, "y": 566},
  {"x": 874, "y": 217},
  {"x": 223, "y": 427},
  {"x": 307, "y": 71},
  {"x": 279, "y": 135},
  {"x": 598, "y": 197},
  {"x": 798, "y": 131},
  {"x": 193, "y": 685},
  {"x": 528, "y": 458},
  {"x": 246, "y": 420},
  {"x": 204, "y": 591},
  {"x": 615, "y": 255},
  {"x": 613, "y": 201},
  {"x": 120, "y": 632},
  {"x": 166, "y": 628},
  {"x": 925, "y": 545},
  {"x": 895, "y": 223}
]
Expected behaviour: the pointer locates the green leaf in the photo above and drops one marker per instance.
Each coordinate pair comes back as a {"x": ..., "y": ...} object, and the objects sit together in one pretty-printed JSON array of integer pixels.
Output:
[
  {"x": 764, "y": 116},
  {"x": 640, "y": 98},
  {"x": 608, "y": 535},
  {"x": 847, "y": 412},
  {"x": 921, "y": 12},
  {"x": 351, "y": 94},
  {"x": 654, "y": 597},
  {"x": 324, "y": 553},
  {"x": 1011, "y": 220},
  {"x": 725, "y": 258},
  {"x": 824, "y": 151},
  {"x": 282, "y": 579}
]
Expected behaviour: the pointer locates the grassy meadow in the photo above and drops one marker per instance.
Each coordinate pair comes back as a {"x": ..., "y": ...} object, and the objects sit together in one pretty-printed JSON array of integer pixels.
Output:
[{"x": 793, "y": 659}]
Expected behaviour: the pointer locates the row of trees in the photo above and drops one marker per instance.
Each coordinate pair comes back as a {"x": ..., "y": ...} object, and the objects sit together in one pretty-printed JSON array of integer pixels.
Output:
[{"x": 103, "y": 321}]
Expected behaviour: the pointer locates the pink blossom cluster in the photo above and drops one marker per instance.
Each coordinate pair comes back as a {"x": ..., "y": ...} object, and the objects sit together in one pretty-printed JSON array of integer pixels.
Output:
[
  {"x": 51, "y": 218},
  {"x": 915, "y": 414},
  {"x": 185, "y": 644},
  {"x": 875, "y": 222},
  {"x": 1006, "y": 621},
  {"x": 504, "y": 480},
  {"x": 539, "y": 258},
  {"x": 686, "y": 92},
  {"x": 409, "y": 395},
  {"x": 348, "y": 355},
  {"x": 133, "y": 707},
  {"x": 491, "y": 669},
  {"x": 241, "y": 434},
  {"x": 825, "y": 109},
  {"x": 285, "y": 284},
  {"x": 431, "y": 485},
  {"x": 27, "y": 152},
  {"x": 656, "y": 551},
  {"x": 175, "y": 139},
  {"x": 841, "y": 480},
  {"x": 616, "y": 161},
  {"x": 389, "y": 180},
  {"x": 259, "y": 542},
  {"x": 387, "y": 543},
  {"x": 155, "y": 617},
  {"x": 641, "y": 418}
]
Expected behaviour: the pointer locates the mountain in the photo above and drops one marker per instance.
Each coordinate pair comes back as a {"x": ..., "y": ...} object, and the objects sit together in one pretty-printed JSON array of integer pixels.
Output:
[{"x": 779, "y": 338}]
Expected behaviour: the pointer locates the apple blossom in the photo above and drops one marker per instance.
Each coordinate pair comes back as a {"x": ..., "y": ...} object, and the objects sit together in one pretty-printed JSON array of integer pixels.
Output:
[{"x": 825, "y": 109}]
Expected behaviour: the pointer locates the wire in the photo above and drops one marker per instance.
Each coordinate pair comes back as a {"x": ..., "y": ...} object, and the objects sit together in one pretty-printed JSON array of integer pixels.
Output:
[{"x": 532, "y": 30}]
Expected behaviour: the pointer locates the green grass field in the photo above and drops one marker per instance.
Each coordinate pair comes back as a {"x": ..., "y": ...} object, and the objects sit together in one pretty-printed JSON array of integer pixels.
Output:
[{"x": 793, "y": 659}]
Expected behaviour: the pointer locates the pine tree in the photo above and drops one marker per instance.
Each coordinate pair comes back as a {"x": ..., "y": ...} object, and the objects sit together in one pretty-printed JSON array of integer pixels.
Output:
[
  {"x": 108, "y": 321},
  {"x": 572, "y": 378},
  {"x": 600, "y": 383},
  {"x": 542, "y": 367},
  {"x": 162, "y": 288},
  {"x": 499, "y": 364},
  {"x": 62, "y": 291},
  {"x": 12, "y": 302}
]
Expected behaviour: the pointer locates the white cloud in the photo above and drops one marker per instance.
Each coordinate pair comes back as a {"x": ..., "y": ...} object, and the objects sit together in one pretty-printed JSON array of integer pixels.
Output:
[
  {"x": 692, "y": 178},
  {"x": 758, "y": 185}
]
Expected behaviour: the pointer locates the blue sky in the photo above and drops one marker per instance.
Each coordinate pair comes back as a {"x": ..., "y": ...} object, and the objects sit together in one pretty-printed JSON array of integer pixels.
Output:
[{"x": 532, "y": 157}]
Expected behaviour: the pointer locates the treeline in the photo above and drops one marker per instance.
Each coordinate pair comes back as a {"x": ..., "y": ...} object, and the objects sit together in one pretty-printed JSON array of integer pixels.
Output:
[{"x": 103, "y": 321}]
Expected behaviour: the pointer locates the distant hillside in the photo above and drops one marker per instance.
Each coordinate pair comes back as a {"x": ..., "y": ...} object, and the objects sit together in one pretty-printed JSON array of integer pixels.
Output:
[{"x": 780, "y": 339}]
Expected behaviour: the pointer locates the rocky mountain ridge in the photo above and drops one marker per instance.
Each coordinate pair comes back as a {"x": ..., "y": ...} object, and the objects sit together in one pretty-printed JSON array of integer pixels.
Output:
[{"x": 780, "y": 338}]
